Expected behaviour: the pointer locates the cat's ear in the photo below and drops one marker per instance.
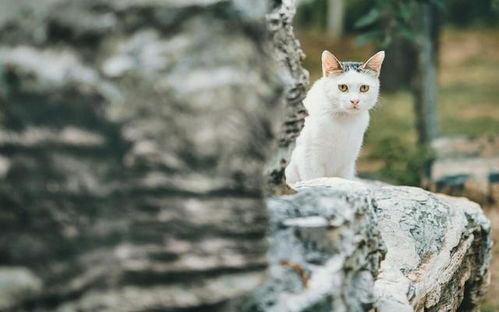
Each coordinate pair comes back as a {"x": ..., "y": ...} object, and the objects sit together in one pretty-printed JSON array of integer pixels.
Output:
[
  {"x": 373, "y": 64},
  {"x": 330, "y": 64}
]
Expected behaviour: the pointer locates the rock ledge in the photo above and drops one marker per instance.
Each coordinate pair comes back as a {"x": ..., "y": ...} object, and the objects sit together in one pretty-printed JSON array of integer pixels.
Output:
[{"x": 364, "y": 245}]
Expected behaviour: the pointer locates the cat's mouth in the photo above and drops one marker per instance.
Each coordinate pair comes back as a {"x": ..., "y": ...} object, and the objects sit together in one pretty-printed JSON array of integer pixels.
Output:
[
  {"x": 347, "y": 111},
  {"x": 353, "y": 110}
]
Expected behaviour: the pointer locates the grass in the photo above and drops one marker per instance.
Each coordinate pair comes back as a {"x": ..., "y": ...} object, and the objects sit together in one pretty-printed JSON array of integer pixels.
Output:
[
  {"x": 468, "y": 105},
  {"x": 469, "y": 76}
]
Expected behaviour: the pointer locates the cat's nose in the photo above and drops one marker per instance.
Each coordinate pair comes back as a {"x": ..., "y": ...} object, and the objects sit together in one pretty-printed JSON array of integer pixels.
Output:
[{"x": 355, "y": 102}]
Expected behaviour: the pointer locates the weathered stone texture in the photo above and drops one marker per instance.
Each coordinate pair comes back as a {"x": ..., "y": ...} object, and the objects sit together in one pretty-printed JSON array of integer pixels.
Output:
[
  {"x": 329, "y": 233},
  {"x": 132, "y": 140},
  {"x": 288, "y": 53},
  {"x": 438, "y": 251},
  {"x": 337, "y": 231}
]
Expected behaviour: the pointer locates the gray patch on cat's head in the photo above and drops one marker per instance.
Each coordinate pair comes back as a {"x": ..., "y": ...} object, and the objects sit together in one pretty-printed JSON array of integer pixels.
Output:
[
  {"x": 356, "y": 66},
  {"x": 352, "y": 66}
]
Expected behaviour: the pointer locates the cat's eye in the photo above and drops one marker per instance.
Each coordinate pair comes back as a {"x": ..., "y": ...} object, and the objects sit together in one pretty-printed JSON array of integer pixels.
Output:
[
  {"x": 364, "y": 88},
  {"x": 343, "y": 87}
]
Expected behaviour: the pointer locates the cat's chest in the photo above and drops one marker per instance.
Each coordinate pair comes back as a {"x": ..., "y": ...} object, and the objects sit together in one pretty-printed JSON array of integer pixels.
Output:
[{"x": 341, "y": 132}]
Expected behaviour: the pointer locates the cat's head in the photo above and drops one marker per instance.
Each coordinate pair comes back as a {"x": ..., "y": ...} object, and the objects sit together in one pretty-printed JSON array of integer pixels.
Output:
[{"x": 351, "y": 87}]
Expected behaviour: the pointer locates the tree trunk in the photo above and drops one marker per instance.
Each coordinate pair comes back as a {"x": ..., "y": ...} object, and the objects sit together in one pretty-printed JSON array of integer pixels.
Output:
[
  {"x": 425, "y": 86},
  {"x": 400, "y": 71},
  {"x": 335, "y": 18}
]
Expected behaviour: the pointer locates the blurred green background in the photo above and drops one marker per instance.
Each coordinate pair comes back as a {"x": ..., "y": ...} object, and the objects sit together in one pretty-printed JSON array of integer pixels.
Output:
[
  {"x": 467, "y": 64},
  {"x": 465, "y": 38}
]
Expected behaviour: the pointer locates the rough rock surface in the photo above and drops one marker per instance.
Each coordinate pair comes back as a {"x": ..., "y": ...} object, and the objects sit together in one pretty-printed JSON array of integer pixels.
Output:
[
  {"x": 17, "y": 284},
  {"x": 466, "y": 167},
  {"x": 288, "y": 53},
  {"x": 325, "y": 251},
  {"x": 437, "y": 250},
  {"x": 133, "y": 135}
]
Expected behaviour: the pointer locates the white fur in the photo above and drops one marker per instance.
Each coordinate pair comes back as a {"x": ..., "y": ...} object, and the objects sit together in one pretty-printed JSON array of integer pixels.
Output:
[{"x": 330, "y": 141}]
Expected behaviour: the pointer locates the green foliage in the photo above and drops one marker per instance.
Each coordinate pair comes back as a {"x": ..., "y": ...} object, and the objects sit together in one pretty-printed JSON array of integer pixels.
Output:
[
  {"x": 368, "y": 37},
  {"x": 368, "y": 19},
  {"x": 395, "y": 18},
  {"x": 391, "y": 18},
  {"x": 392, "y": 15},
  {"x": 488, "y": 308},
  {"x": 403, "y": 163},
  {"x": 312, "y": 14},
  {"x": 465, "y": 13}
]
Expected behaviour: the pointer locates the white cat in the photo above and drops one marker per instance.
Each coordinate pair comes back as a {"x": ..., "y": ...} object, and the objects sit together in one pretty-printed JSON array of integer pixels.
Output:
[{"x": 338, "y": 105}]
